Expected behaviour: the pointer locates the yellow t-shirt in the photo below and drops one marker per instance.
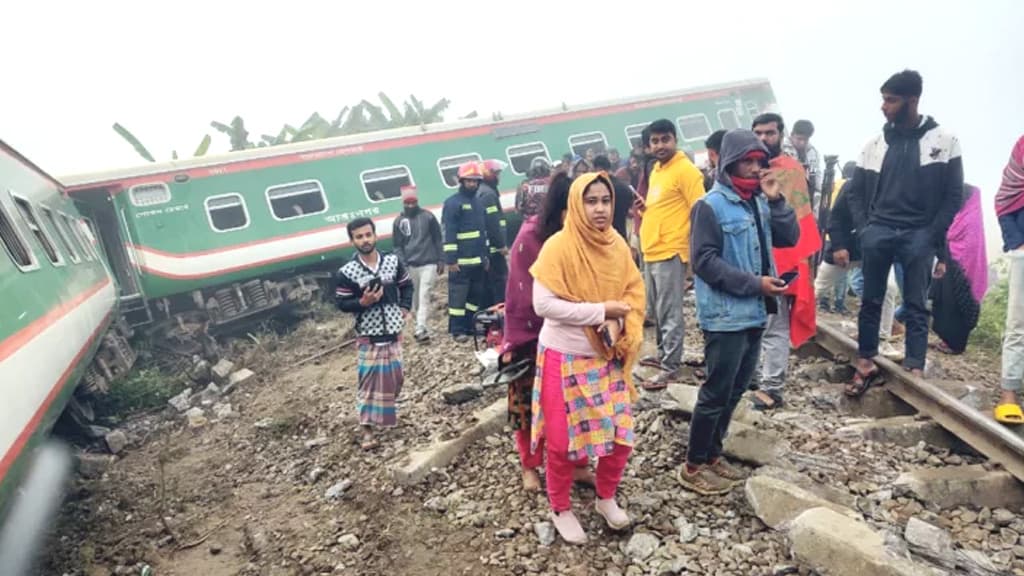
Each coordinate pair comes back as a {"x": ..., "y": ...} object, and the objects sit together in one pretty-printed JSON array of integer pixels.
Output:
[{"x": 665, "y": 229}]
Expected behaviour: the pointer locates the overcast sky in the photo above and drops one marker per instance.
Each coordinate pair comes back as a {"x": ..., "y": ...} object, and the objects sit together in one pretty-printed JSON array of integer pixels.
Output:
[{"x": 166, "y": 69}]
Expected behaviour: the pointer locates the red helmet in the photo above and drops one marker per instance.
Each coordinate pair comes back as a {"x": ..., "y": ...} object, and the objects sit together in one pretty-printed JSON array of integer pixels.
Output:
[
  {"x": 472, "y": 170},
  {"x": 492, "y": 167}
]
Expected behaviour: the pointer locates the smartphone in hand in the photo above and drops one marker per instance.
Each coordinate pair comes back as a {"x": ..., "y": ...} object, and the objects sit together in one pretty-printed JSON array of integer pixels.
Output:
[{"x": 788, "y": 277}]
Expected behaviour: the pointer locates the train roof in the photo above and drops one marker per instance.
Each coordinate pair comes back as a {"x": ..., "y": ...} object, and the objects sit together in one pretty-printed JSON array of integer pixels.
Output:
[
  {"x": 80, "y": 181},
  {"x": 7, "y": 148}
]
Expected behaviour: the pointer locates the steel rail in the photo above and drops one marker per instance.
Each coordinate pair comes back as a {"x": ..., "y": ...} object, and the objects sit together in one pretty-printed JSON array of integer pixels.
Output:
[{"x": 982, "y": 433}]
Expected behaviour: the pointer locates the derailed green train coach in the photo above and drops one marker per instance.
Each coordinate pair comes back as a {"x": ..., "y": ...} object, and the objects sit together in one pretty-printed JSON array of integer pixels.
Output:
[{"x": 221, "y": 238}]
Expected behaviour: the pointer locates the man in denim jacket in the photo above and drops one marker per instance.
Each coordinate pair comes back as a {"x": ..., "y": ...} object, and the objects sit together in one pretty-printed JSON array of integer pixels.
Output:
[{"x": 733, "y": 229}]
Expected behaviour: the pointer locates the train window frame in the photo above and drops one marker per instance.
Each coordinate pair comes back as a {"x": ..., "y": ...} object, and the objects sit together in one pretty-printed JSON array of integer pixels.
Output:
[
  {"x": 512, "y": 164},
  {"x": 734, "y": 115},
  {"x": 71, "y": 225},
  {"x": 43, "y": 237},
  {"x": 366, "y": 191},
  {"x": 752, "y": 109},
  {"x": 139, "y": 204},
  {"x": 707, "y": 126},
  {"x": 629, "y": 139},
  {"x": 51, "y": 216},
  {"x": 604, "y": 140},
  {"x": 467, "y": 157},
  {"x": 209, "y": 215},
  {"x": 90, "y": 235},
  {"x": 270, "y": 205},
  {"x": 16, "y": 234}
]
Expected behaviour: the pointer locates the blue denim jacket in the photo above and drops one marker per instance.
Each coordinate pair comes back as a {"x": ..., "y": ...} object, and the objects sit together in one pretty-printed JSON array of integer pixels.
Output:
[{"x": 718, "y": 310}]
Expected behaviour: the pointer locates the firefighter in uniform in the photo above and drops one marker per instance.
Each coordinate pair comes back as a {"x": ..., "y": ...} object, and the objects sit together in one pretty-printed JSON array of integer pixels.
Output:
[
  {"x": 465, "y": 251},
  {"x": 497, "y": 275}
]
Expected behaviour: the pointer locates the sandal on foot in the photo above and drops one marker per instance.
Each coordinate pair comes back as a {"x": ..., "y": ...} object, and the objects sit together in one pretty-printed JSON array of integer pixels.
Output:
[
  {"x": 1009, "y": 414},
  {"x": 765, "y": 400},
  {"x": 861, "y": 382},
  {"x": 652, "y": 362}
]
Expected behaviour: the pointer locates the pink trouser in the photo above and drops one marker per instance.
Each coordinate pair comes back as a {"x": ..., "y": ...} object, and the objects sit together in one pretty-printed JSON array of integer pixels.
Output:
[{"x": 556, "y": 432}]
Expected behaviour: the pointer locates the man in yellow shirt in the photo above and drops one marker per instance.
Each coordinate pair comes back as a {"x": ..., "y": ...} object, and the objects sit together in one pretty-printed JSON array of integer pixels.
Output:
[{"x": 675, "y": 186}]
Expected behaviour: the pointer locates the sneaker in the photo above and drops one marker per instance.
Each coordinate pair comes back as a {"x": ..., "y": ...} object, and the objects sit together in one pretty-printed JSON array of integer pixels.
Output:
[
  {"x": 889, "y": 351},
  {"x": 726, "y": 470},
  {"x": 616, "y": 517},
  {"x": 823, "y": 306},
  {"x": 460, "y": 338},
  {"x": 568, "y": 527},
  {"x": 422, "y": 335},
  {"x": 703, "y": 481}
]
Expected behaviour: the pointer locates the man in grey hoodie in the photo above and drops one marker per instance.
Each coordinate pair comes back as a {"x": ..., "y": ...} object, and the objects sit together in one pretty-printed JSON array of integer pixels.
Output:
[{"x": 417, "y": 240}]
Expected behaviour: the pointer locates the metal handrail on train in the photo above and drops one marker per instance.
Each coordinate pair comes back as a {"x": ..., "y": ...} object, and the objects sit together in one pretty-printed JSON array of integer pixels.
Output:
[{"x": 973, "y": 427}]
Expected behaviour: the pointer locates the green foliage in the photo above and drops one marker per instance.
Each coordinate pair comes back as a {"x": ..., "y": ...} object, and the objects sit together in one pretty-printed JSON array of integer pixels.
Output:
[
  {"x": 133, "y": 141},
  {"x": 140, "y": 390},
  {"x": 989, "y": 332}
]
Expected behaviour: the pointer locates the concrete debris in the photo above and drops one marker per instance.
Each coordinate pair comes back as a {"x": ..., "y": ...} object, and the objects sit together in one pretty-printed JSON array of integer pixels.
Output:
[
  {"x": 777, "y": 502},
  {"x": 759, "y": 447},
  {"x": 930, "y": 541},
  {"x": 264, "y": 423},
  {"x": 317, "y": 442},
  {"x": 182, "y": 401},
  {"x": 545, "y": 532},
  {"x": 116, "y": 441},
  {"x": 92, "y": 465},
  {"x": 196, "y": 418},
  {"x": 961, "y": 486},
  {"x": 336, "y": 491},
  {"x": 222, "y": 370},
  {"x": 876, "y": 402},
  {"x": 348, "y": 542},
  {"x": 223, "y": 411},
  {"x": 823, "y": 491},
  {"x": 642, "y": 545},
  {"x": 315, "y": 474},
  {"x": 904, "y": 431},
  {"x": 238, "y": 378},
  {"x": 210, "y": 395},
  {"x": 687, "y": 531}
]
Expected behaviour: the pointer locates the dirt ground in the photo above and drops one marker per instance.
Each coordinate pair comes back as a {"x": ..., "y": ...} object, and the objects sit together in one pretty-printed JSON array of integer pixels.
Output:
[{"x": 245, "y": 494}]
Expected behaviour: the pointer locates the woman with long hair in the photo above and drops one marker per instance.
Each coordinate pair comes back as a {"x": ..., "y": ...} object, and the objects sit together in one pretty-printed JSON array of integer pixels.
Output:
[
  {"x": 522, "y": 327},
  {"x": 590, "y": 294}
]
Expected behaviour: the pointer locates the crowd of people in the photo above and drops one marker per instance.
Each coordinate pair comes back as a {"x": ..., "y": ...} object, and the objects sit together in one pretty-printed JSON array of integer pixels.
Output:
[{"x": 610, "y": 245}]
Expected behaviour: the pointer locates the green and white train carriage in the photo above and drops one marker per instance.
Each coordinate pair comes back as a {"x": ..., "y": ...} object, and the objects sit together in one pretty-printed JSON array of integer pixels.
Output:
[
  {"x": 57, "y": 301},
  {"x": 236, "y": 234}
]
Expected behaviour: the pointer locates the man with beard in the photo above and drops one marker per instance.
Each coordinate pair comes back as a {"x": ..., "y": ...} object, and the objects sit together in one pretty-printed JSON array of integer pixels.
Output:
[
  {"x": 376, "y": 287},
  {"x": 416, "y": 235},
  {"x": 675, "y": 186},
  {"x": 465, "y": 251},
  {"x": 713, "y": 145},
  {"x": 906, "y": 190},
  {"x": 793, "y": 321},
  {"x": 497, "y": 274}
]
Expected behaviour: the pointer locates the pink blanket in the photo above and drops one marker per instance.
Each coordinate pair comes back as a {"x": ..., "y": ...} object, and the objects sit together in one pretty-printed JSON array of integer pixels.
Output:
[
  {"x": 1010, "y": 197},
  {"x": 967, "y": 242}
]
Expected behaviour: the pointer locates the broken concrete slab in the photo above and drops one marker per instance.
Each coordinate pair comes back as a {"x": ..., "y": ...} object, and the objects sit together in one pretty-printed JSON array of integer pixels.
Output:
[
  {"x": 903, "y": 431},
  {"x": 759, "y": 447},
  {"x": 685, "y": 397},
  {"x": 420, "y": 462},
  {"x": 877, "y": 402},
  {"x": 777, "y": 502},
  {"x": 462, "y": 393},
  {"x": 834, "y": 544},
  {"x": 92, "y": 465},
  {"x": 962, "y": 486},
  {"x": 182, "y": 401},
  {"x": 824, "y": 491},
  {"x": 196, "y": 418},
  {"x": 116, "y": 441},
  {"x": 238, "y": 378},
  {"x": 221, "y": 371}
]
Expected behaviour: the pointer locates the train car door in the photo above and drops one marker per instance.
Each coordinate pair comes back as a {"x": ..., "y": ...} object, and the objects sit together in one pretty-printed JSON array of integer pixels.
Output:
[{"x": 108, "y": 221}]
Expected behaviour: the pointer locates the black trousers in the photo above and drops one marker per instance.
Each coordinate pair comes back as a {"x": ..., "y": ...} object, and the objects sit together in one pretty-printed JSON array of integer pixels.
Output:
[
  {"x": 731, "y": 359},
  {"x": 497, "y": 278},
  {"x": 467, "y": 293},
  {"x": 881, "y": 246}
]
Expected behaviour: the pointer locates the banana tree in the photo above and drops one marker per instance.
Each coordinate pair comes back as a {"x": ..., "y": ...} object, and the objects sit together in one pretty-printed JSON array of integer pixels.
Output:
[
  {"x": 236, "y": 133},
  {"x": 201, "y": 150}
]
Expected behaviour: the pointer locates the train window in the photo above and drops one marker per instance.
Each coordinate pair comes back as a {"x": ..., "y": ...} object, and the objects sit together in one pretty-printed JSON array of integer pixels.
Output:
[
  {"x": 227, "y": 212},
  {"x": 296, "y": 199},
  {"x": 449, "y": 167},
  {"x": 728, "y": 119},
  {"x": 14, "y": 244},
  {"x": 75, "y": 234},
  {"x": 521, "y": 155},
  {"x": 62, "y": 234},
  {"x": 694, "y": 127},
  {"x": 383, "y": 184},
  {"x": 580, "y": 143},
  {"x": 89, "y": 235},
  {"x": 149, "y": 194},
  {"x": 28, "y": 214},
  {"x": 752, "y": 109},
  {"x": 633, "y": 132}
]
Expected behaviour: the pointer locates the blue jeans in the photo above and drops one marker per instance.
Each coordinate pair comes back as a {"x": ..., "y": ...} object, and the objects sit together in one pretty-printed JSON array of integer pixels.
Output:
[{"x": 857, "y": 281}]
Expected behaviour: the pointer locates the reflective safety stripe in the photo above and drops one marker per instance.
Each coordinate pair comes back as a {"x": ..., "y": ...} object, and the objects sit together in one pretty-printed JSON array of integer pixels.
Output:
[
  {"x": 456, "y": 312},
  {"x": 492, "y": 209},
  {"x": 467, "y": 206},
  {"x": 451, "y": 247},
  {"x": 469, "y": 261},
  {"x": 502, "y": 223},
  {"x": 467, "y": 235},
  {"x": 494, "y": 250},
  {"x": 472, "y": 307}
]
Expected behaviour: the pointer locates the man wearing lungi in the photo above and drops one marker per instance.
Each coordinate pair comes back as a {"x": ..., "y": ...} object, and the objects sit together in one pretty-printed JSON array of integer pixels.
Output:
[{"x": 376, "y": 287}]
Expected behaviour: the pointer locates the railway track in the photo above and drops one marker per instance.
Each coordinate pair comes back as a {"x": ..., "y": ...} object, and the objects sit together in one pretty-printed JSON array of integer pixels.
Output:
[{"x": 977, "y": 429}]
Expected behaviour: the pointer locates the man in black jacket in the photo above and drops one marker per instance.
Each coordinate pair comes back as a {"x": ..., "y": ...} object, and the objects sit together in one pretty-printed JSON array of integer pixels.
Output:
[
  {"x": 905, "y": 192},
  {"x": 416, "y": 236}
]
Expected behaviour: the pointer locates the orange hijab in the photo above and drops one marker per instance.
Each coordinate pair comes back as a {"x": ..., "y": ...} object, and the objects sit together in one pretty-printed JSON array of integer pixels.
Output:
[{"x": 583, "y": 264}]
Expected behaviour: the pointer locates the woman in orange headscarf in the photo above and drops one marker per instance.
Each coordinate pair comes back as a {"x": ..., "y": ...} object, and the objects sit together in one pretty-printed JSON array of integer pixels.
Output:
[{"x": 590, "y": 294}]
